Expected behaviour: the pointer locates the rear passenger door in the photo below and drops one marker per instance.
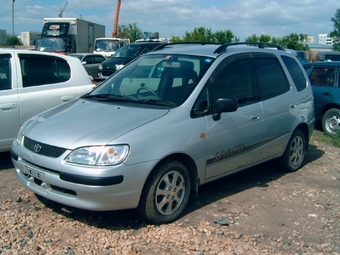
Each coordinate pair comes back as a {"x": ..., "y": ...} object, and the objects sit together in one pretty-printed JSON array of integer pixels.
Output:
[
  {"x": 9, "y": 106},
  {"x": 46, "y": 82},
  {"x": 234, "y": 141},
  {"x": 279, "y": 103}
]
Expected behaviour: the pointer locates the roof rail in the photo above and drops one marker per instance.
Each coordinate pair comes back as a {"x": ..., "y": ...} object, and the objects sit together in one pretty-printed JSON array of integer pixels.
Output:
[
  {"x": 224, "y": 47},
  {"x": 173, "y": 45}
]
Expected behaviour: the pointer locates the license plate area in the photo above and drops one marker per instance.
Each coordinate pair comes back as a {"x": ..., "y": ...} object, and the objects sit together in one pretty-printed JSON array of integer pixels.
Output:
[{"x": 34, "y": 173}]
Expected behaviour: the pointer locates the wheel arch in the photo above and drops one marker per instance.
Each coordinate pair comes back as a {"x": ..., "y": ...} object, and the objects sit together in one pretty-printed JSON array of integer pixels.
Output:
[
  {"x": 189, "y": 164},
  {"x": 328, "y": 106},
  {"x": 305, "y": 130}
]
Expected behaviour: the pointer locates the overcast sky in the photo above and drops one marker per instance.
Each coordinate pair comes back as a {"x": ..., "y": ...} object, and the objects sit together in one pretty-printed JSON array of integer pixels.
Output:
[{"x": 175, "y": 17}]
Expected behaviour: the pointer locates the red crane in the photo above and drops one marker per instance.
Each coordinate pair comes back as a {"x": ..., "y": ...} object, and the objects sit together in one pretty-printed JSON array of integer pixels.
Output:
[{"x": 115, "y": 28}]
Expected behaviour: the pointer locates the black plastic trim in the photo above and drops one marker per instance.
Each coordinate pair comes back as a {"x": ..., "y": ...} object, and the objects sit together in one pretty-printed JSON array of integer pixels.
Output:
[
  {"x": 14, "y": 155},
  {"x": 94, "y": 181}
]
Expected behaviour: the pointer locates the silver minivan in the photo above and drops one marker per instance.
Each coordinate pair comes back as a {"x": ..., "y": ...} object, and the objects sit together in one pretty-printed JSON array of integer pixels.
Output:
[{"x": 170, "y": 121}]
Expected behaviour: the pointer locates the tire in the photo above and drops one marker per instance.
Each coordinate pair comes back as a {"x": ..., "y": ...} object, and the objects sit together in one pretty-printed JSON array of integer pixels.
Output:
[
  {"x": 331, "y": 122},
  {"x": 294, "y": 154},
  {"x": 166, "y": 193}
]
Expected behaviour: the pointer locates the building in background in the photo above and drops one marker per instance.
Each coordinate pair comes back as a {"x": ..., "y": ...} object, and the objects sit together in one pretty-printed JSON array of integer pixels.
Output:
[
  {"x": 28, "y": 38},
  {"x": 325, "y": 39},
  {"x": 310, "y": 39}
]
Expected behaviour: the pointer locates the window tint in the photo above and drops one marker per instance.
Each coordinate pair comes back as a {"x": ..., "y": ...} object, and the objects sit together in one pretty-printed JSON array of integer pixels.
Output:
[
  {"x": 88, "y": 60},
  {"x": 270, "y": 78},
  {"x": 41, "y": 70},
  {"x": 235, "y": 80},
  {"x": 331, "y": 57},
  {"x": 295, "y": 72},
  {"x": 321, "y": 76},
  {"x": 5, "y": 72},
  {"x": 98, "y": 59}
]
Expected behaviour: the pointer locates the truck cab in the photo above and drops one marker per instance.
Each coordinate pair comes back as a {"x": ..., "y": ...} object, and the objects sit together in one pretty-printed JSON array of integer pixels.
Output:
[{"x": 108, "y": 46}]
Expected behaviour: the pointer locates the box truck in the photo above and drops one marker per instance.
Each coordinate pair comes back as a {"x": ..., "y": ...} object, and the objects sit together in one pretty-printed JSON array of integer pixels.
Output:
[{"x": 68, "y": 35}]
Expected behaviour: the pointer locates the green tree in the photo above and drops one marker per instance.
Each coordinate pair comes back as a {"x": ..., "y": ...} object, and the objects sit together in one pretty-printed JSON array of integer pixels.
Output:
[
  {"x": 261, "y": 38},
  {"x": 130, "y": 31},
  {"x": 202, "y": 34},
  {"x": 13, "y": 41},
  {"x": 293, "y": 41},
  {"x": 335, "y": 34}
]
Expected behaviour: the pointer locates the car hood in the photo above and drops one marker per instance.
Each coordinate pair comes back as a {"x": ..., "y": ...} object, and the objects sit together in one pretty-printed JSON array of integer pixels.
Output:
[
  {"x": 84, "y": 122},
  {"x": 116, "y": 61}
]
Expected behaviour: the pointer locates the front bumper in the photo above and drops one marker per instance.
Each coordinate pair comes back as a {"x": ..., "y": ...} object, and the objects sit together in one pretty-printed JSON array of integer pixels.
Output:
[
  {"x": 121, "y": 189},
  {"x": 102, "y": 76}
]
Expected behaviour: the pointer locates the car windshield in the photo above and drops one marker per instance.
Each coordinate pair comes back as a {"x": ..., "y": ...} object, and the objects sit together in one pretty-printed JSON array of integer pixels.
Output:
[
  {"x": 332, "y": 57},
  {"x": 130, "y": 51},
  {"x": 156, "y": 79},
  {"x": 301, "y": 55},
  {"x": 50, "y": 44},
  {"x": 107, "y": 45}
]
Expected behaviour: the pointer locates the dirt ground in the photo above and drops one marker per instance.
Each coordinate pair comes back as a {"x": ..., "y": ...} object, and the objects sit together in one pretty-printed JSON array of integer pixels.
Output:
[{"x": 258, "y": 211}]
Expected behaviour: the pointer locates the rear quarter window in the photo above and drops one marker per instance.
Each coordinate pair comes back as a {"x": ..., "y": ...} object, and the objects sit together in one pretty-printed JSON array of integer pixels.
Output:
[
  {"x": 5, "y": 72},
  {"x": 40, "y": 70},
  {"x": 295, "y": 72}
]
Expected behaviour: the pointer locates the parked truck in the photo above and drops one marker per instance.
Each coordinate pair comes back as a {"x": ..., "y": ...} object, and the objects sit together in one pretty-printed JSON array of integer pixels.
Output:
[{"x": 68, "y": 35}]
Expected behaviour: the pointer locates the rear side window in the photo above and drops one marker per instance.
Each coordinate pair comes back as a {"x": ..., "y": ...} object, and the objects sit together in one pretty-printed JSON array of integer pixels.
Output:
[
  {"x": 98, "y": 59},
  {"x": 271, "y": 79},
  {"x": 41, "y": 70},
  {"x": 295, "y": 72},
  {"x": 88, "y": 60},
  {"x": 323, "y": 76},
  {"x": 5, "y": 72}
]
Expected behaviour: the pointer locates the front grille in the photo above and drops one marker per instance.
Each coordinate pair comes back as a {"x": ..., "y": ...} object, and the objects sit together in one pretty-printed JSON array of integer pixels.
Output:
[
  {"x": 107, "y": 73},
  {"x": 43, "y": 149}
]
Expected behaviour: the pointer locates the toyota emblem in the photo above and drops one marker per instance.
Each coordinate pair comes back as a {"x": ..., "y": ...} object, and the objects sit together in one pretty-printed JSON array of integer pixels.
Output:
[{"x": 37, "y": 148}]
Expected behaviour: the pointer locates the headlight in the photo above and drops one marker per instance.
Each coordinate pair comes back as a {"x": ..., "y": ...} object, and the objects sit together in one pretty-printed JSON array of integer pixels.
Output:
[
  {"x": 99, "y": 155},
  {"x": 118, "y": 67},
  {"x": 19, "y": 138},
  {"x": 100, "y": 67}
]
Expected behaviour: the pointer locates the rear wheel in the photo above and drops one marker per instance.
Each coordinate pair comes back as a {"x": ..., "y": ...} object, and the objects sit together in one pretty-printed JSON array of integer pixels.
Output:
[
  {"x": 294, "y": 154},
  {"x": 331, "y": 121},
  {"x": 166, "y": 193}
]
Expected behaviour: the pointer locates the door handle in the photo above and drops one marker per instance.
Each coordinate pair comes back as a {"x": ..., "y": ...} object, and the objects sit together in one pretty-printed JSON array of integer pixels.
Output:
[
  {"x": 67, "y": 98},
  {"x": 7, "y": 106},
  {"x": 255, "y": 117},
  {"x": 326, "y": 93}
]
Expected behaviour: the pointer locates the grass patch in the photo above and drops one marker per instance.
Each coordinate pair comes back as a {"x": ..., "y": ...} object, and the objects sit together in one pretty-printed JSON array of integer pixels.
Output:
[{"x": 334, "y": 140}]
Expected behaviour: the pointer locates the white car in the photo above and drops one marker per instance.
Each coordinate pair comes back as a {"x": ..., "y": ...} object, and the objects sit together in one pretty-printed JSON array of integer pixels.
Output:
[{"x": 32, "y": 82}]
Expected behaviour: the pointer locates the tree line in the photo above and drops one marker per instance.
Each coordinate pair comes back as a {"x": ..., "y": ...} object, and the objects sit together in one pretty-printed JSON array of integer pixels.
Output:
[{"x": 202, "y": 34}]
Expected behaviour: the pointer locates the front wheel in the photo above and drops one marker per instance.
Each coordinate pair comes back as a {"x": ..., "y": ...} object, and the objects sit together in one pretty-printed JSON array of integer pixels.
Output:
[
  {"x": 166, "y": 193},
  {"x": 294, "y": 154},
  {"x": 331, "y": 122}
]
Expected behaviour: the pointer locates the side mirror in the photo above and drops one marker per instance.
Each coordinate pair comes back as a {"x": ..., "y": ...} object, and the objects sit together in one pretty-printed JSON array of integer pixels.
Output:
[
  {"x": 224, "y": 105},
  {"x": 84, "y": 62}
]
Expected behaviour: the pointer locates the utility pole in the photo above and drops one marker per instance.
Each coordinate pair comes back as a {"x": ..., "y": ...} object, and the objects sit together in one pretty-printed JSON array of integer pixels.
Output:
[{"x": 13, "y": 24}]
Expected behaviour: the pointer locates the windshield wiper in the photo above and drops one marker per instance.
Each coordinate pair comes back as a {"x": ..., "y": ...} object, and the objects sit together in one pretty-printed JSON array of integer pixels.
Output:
[
  {"x": 156, "y": 102},
  {"x": 110, "y": 97}
]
